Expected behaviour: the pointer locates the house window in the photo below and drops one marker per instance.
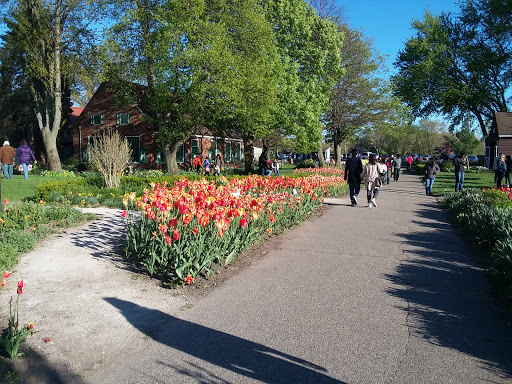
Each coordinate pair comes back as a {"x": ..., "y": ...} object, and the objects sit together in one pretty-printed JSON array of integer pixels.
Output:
[
  {"x": 123, "y": 119},
  {"x": 86, "y": 153},
  {"x": 96, "y": 119},
  {"x": 238, "y": 151},
  {"x": 181, "y": 154},
  {"x": 134, "y": 143},
  {"x": 228, "y": 154},
  {"x": 160, "y": 156},
  {"x": 213, "y": 149},
  {"x": 195, "y": 146}
]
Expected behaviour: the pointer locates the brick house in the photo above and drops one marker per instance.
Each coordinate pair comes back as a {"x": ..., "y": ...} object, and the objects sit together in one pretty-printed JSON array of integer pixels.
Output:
[
  {"x": 102, "y": 112},
  {"x": 499, "y": 139}
]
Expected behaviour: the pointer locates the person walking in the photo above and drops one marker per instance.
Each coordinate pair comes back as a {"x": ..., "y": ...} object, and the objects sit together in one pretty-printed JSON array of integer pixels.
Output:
[
  {"x": 460, "y": 167},
  {"x": 206, "y": 166},
  {"x": 397, "y": 163},
  {"x": 263, "y": 165},
  {"x": 508, "y": 163},
  {"x": 217, "y": 164},
  {"x": 431, "y": 170},
  {"x": 388, "y": 166},
  {"x": 275, "y": 166},
  {"x": 501, "y": 168},
  {"x": 353, "y": 170},
  {"x": 196, "y": 163},
  {"x": 373, "y": 171},
  {"x": 409, "y": 163},
  {"x": 25, "y": 155},
  {"x": 7, "y": 155}
]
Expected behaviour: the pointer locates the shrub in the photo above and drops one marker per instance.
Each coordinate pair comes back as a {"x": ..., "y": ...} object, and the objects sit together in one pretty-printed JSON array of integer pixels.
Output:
[
  {"x": 447, "y": 166},
  {"x": 44, "y": 190},
  {"x": 70, "y": 164},
  {"x": 477, "y": 169},
  {"x": 307, "y": 163},
  {"x": 486, "y": 216},
  {"x": 110, "y": 154}
]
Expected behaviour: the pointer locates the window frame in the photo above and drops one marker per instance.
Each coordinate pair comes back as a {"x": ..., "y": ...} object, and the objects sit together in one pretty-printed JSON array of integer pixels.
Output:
[
  {"x": 92, "y": 119},
  {"x": 119, "y": 119},
  {"x": 135, "y": 159}
]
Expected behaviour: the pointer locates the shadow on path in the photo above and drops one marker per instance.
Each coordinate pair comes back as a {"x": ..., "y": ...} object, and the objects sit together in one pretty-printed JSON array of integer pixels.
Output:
[
  {"x": 104, "y": 238},
  {"x": 233, "y": 353},
  {"x": 449, "y": 302}
]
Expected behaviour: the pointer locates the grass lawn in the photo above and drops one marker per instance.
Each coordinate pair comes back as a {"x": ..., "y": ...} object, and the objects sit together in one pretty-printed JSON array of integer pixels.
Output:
[
  {"x": 18, "y": 189},
  {"x": 445, "y": 181}
]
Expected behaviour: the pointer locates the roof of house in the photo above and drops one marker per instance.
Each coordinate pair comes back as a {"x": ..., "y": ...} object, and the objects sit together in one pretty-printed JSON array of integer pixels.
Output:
[
  {"x": 504, "y": 123},
  {"x": 76, "y": 111}
]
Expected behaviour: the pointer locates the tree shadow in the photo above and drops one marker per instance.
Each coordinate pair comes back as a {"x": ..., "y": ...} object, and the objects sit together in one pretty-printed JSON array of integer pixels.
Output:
[
  {"x": 244, "y": 357},
  {"x": 448, "y": 294},
  {"x": 105, "y": 238}
]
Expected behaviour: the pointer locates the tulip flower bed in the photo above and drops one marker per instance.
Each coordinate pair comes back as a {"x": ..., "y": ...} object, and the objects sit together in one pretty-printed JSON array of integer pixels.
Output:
[{"x": 186, "y": 228}]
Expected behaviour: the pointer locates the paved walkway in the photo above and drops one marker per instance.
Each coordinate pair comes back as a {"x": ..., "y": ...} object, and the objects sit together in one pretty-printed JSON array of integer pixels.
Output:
[{"x": 382, "y": 295}]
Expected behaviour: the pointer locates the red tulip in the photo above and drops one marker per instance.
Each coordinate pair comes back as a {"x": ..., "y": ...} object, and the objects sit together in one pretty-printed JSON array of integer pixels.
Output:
[
  {"x": 189, "y": 279},
  {"x": 21, "y": 287}
]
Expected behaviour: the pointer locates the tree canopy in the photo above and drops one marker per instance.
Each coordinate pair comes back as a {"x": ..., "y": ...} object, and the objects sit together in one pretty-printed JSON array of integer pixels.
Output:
[{"x": 459, "y": 64}]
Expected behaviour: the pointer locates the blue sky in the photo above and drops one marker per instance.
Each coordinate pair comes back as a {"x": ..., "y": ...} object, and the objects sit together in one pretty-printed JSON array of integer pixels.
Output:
[{"x": 389, "y": 21}]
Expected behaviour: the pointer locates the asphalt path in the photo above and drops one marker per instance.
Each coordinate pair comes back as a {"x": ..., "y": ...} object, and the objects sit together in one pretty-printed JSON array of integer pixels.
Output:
[{"x": 383, "y": 295}]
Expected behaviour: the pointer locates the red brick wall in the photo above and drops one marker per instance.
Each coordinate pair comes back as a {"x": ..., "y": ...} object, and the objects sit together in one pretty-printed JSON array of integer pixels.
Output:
[{"x": 103, "y": 102}]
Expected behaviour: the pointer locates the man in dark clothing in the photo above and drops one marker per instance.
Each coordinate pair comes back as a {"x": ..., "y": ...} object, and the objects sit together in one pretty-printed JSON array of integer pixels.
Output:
[
  {"x": 460, "y": 166},
  {"x": 353, "y": 170}
]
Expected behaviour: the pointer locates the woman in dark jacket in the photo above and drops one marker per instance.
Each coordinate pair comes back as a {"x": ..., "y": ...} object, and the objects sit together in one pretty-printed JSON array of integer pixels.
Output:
[
  {"x": 508, "y": 163},
  {"x": 501, "y": 168},
  {"x": 431, "y": 170},
  {"x": 26, "y": 156}
]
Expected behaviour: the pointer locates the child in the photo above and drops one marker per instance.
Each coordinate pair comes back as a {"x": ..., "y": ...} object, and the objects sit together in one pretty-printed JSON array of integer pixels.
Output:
[
  {"x": 206, "y": 167},
  {"x": 275, "y": 166}
]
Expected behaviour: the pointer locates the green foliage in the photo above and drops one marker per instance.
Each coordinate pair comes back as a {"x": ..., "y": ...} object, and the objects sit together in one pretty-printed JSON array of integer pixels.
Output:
[
  {"x": 22, "y": 224},
  {"x": 464, "y": 141},
  {"x": 44, "y": 190},
  {"x": 307, "y": 163},
  {"x": 456, "y": 65},
  {"x": 486, "y": 217},
  {"x": 63, "y": 173},
  {"x": 15, "y": 334},
  {"x": 447, "y": 166}
]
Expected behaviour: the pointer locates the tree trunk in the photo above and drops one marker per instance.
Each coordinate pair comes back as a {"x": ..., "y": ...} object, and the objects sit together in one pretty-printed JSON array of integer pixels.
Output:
[
  {"x": 337, "y": 148},
  {"x": 248, "y": 153},
  {"x": 321, "y": 159},
  {"x": 170, "y": 156},
  {"x": 50, "y": 145},
  {"x": 266, "y": 149}
]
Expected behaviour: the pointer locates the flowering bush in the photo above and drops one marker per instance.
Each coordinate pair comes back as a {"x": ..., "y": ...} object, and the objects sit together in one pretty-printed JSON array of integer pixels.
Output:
[
  {"x": 14, "y": 335},
  {"x": 187, "y": 227}
]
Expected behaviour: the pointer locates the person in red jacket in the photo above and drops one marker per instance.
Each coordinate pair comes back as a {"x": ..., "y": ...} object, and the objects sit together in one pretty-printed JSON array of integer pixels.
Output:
[
  {"x": 409, "y": 163},
  {"x": 196, "y": 163}
]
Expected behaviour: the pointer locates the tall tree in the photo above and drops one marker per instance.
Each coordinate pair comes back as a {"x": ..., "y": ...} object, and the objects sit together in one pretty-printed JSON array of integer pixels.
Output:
[
  {"x": 460, "y": 64},
  {"x": 46, "y": 32},
  {"x": 355, "y": 98},
  {"x": 208, "y": 63},
  {"x": 309, "y": 47}
]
